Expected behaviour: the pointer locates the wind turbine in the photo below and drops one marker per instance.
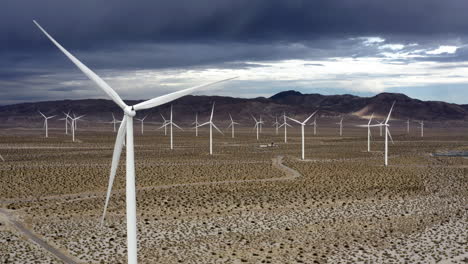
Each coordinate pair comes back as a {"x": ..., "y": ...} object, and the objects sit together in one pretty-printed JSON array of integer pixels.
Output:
[
  {"x": 407, "y": 126},
  {"x": 66, "y": 121},
  {"x": 196, "y": 124},
  {"x": 46, "y": 126},
  {"x": 302, "y": 130},
  {"x": 164, "y": 125},
  {"x": 211, "y": 129},
  {"x": 368, "y": 131},
  {"x": 126, "y": 128},
  {"x": 73, "y": 125},
  {"x": 232, "y": 126},
  {"x": 257, "y": 125},
  {"x": 315, "y": 125},
  {"x": 380, "y": 127},
  {"x": 387, "y": 132},
  {"x": 285, "y": 124},
  {"x": 341, "y": 126},
  {"x": 114, "y": 121},
  {"x": 142, "y": 120},
  {"x": 421, "y": 123},
  {"x": 171, "y": 123},
  {"x": 276, "y": 124}
]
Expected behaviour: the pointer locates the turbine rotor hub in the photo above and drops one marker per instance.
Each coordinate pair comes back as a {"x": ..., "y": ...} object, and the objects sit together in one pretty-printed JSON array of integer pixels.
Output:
[{"x": 129, "y": 111}]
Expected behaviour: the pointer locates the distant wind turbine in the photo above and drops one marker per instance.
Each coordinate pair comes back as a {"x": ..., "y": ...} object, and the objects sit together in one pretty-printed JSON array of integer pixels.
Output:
[
  {"x": 114, "y": 121},
  {"x": 369, "y": 135},
  {"x": 171, "y": 123},
  {"x": 285, "y": 124},
  {"x": 126, "y": 129},
  {"x": 315, "y": 125},
  {"x": 276, "y": 124},
  {"x": 211, "y": 129},
  {"x": 421, "y": 123},
  {"x": 46, "y": 126},
  {"x": 142, "y": 121},
  {"x": 231, "y": 125},
  {"x": 387, "y": 133},
  {"x": 302, "y": 131},
  {"x": 407, "y": 126},
  {"x": 164, "y": 125},
  {"x": 196, "y": 124},
  {"x": 341, "y": 126},
  {"x": 67, "y": 122},
  {"x": 380, "y": 127},
  {"x": 257, "y": 125}
]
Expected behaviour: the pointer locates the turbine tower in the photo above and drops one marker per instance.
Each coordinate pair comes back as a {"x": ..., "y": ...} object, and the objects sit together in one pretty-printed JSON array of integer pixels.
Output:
[
  {"x": 285, "y": 124},
  {"x": 276, "y": 124},
  {"x": 211, "y": 129},
  {"x": 421, "y": 123},
  {"x": 46, "y": 126},
  {"x": 341, "y": 126},
  {"x": 171, "y": 123},
  {"x": 369, "y": 135},
  {"x": 258, "y": 125},
  {"x": 315, "y": 125},
  {"x": 231, "y": 125},
  {"x": 142, "y": 120},
  {"x": 302, "y": 131},
  {"x": 126, "y": 128},
  {"x": 66, "y": 121},
  {"x": 407, "y": 126},
  {"x": 196, "y": 124},
  {"x": 387, "y": 132}
]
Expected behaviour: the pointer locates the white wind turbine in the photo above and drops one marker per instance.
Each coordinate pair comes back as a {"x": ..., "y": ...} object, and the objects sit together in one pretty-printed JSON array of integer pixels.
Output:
[
  {"x": 142, "y": 120},
  {"x": 171, "y": 123},
  {"x": 126, "y": 128},
  {"x": 380, "y": 127},
  {"x": 315, "y": 125},
  {"x": 114, "y": 121},
  {"x": 276, "y": 124},
  {"x": 341, "y": 126},
  {"x": 258, "y": 125},
  {"x": 66, "y": 121},
  {"x": 387, "y": 133},
  {"x": 285, "y": 124},
  {"x": 196, "y": 124},
  {"x": 46, "y": 126},
  {"x": 231, "y": 125},
  {"x": 421, "y": 123},
  {"x": 72, "y": 124},
  {"x": 368, "y": 131},
  {"x": 302, "y": 131},
  {"x": 211, "y": 129},
  {"x": 164, "y": 125},
  {"x": 407, "y": 126}
]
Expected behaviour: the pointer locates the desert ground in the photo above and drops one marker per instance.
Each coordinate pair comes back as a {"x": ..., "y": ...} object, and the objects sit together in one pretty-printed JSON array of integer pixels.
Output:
[{"x": 244, "y": 204}]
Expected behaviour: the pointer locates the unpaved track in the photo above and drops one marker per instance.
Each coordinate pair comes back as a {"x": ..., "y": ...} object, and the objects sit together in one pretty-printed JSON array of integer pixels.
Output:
[
  {"x": 36, "y": 239},
  {"x": 277, "y": 162}
]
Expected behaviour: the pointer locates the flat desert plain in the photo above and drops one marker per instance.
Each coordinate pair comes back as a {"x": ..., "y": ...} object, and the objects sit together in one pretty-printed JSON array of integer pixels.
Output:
[{"x": 243, "y": 204}]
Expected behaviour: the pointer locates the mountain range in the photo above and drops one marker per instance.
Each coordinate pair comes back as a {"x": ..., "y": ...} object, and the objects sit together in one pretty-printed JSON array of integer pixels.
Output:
[{"x": 292, "y": 103}]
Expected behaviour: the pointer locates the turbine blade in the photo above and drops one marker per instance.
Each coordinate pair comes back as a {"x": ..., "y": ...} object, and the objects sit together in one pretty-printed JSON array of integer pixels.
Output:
[
  {"x": 91, "y": 75},
  {"x": 390, "y": 135},
  {"x": 217, "y": 128},
  {"x": 212, "y": 112},
  {"x": 177, "y": 126},
  {"x": 42, "y": 114},
  {"x": 172, "y": 96},
  {"x": 292, "y": 119},
  {"x": 119, "y": 141},
  {"x": 389, "y": 113},
  {"x": 204, "y": 124},
  {"x": 254, "y": 119},
  {"x": 310, "y": 117},
  {"x": 370, "y": 120}
]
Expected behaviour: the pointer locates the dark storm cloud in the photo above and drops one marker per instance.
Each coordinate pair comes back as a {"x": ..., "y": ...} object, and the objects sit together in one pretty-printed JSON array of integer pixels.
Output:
[{"x": 151, "y": 34}]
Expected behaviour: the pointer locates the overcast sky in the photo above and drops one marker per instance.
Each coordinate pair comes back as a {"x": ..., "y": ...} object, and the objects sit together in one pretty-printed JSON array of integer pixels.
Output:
[{"x": 147, "y": 48}]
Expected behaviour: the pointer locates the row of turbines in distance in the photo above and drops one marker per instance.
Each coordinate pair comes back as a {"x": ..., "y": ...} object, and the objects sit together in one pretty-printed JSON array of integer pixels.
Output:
[{"x": 169, "y": 124}]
